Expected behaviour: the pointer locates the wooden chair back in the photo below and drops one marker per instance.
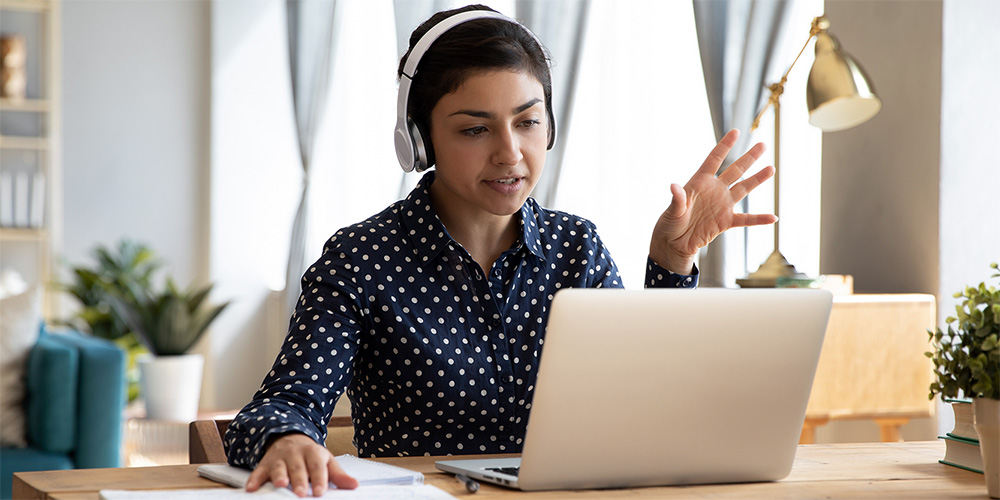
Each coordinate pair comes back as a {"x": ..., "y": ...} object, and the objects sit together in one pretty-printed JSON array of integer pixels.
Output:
[{"x": 205, "y": 439}]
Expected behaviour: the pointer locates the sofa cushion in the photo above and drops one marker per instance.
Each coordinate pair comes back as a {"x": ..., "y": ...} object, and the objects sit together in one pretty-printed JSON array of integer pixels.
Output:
[
  {"x": 102, "y": 399},
  {"x": 53, "y": 381},
  {"x": 20, "y": 317},
  {"x": 25, "y": 460}
]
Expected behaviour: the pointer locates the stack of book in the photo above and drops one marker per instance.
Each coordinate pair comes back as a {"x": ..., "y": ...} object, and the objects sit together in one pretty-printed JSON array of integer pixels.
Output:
[{"x": 962, "y": 443}]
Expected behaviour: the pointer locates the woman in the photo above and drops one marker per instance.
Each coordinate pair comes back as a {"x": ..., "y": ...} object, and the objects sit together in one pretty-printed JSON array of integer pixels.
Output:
[{"x": 430, "y": 315}]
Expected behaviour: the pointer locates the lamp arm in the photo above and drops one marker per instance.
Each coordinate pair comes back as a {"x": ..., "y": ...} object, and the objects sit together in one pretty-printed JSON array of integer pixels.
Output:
[{"x": 819, "y": 24}]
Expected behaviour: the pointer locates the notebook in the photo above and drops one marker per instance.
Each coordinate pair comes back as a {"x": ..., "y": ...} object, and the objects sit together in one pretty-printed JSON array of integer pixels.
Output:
[{"x": 666, "y": 387}]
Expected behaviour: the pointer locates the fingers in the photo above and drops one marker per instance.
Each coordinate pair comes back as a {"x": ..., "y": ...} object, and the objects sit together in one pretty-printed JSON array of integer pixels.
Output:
[
  {"x": 719, "y": 152},
  {"x": 740, "y": 191},
  {"x": 296, "y": 461},
  {"x": 740, "y": 166},
  {"x": 257, "y": 478},
  {"x": 740, "y": 220},
  {"x": 298, "y": 475},
  {"x": 340, "y": 478}
]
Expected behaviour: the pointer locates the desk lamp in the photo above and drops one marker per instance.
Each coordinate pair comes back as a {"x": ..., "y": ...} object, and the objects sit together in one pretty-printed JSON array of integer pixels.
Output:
[{"x": 838, "y": 96}]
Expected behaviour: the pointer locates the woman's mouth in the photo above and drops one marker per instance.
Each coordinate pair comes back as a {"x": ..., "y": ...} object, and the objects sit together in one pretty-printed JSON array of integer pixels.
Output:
[{"x": 509, "y": 185}]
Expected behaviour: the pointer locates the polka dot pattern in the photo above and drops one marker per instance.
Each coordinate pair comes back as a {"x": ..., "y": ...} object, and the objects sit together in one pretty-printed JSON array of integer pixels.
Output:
[{"x": 437, "y": 355}]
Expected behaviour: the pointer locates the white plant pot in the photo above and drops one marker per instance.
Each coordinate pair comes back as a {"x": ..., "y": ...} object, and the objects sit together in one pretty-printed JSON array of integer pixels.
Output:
[
  {"x": 171, "y": 386},
  {"x": 987, "y": 423}
]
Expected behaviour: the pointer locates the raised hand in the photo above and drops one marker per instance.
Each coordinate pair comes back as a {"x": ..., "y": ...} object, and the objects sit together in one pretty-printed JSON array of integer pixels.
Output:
[{"x": 703, "y": 208}]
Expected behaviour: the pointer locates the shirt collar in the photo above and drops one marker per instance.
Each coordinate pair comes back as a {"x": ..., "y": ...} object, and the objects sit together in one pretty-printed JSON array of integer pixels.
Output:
[{"x": 428, "y": 235}]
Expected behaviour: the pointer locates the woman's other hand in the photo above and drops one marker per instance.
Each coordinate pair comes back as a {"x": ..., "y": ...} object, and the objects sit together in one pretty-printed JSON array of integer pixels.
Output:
[{"x": 297, "y": 461}]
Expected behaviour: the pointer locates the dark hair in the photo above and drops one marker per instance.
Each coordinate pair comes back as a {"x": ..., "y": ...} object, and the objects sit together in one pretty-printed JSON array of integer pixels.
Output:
[{"x": 474, "y": 46}]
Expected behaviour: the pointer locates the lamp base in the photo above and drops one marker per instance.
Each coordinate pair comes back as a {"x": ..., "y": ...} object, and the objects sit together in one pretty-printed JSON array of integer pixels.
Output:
[{"x": 767, "y": 275}]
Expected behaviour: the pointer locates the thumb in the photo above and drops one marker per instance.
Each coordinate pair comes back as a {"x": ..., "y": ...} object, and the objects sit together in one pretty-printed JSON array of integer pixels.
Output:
[
  {"x": 678, "y": 204},
  {"x": 340, "y": 478}
]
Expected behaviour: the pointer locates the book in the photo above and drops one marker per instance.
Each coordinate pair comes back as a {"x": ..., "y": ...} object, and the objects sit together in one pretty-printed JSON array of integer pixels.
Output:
[
  {"x": 367, "y": 472},
  {"x": 36, "y": 212},
  {"x": 6, "y": 200},
  {"x": 21, "y": 190},
  {"x": 962, "y": 453},
  {"x": 964, "y": 426}
]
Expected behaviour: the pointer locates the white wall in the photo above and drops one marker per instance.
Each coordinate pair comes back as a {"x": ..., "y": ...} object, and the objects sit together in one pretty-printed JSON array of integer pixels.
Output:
[
  {"x": 969, "y": 232},
  {"x": 255, "y": 178},
  {"x": 135, "y": 129},
  {"x": 880, "y": 179}
]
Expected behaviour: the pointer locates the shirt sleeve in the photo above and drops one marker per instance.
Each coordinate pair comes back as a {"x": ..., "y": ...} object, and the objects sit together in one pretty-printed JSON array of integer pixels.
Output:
[
  {"x": 658, "y": 277},
  {"x": 313, "y": 368}
]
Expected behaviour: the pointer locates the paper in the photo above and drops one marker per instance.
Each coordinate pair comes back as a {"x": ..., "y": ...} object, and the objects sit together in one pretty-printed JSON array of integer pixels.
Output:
[
  {"x": 377, "y": 492},
  {"x": 367, "y": 472}
]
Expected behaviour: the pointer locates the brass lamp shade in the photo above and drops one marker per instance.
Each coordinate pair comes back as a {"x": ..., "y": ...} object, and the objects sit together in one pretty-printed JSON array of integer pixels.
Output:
[{"x": 838, "y": 93}]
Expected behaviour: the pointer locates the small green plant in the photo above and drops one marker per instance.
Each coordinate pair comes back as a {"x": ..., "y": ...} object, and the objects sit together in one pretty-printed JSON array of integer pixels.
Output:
[
  {"x": 119, "y": 302},
  {"x": 130, "y": 266},
  {"x": 168, "y": 322},
  {"x": 967, "y": 357}
]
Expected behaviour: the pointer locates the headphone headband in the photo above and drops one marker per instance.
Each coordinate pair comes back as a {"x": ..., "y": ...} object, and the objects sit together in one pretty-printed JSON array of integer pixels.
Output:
[{"x": 411, "y": 148}]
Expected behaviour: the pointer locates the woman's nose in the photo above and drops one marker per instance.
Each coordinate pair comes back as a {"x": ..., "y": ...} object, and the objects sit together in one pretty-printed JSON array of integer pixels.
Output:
[{"x": 506, "y": 149}]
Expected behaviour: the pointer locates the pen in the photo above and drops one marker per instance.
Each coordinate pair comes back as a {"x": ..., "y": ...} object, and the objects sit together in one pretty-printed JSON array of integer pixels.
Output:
[{"x": 470, "y": 484}]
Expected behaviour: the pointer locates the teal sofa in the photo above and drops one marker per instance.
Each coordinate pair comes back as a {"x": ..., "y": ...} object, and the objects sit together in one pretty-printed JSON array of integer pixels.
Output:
[{"x": 74, "y": 402}]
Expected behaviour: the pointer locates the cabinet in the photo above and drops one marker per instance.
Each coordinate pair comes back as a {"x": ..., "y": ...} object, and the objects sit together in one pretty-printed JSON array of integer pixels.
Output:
[
  {"x": 30, "y": 188},
  {"x": 872, "y": 366}
]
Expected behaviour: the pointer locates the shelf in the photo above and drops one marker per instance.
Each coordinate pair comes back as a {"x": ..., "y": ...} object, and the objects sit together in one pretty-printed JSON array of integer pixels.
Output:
[
  {"x": 14, "y": 142},
  {"x": 27, "y": 234},
  {"x": 26, "y": 5},
  {"x": 24, "y": 105}
]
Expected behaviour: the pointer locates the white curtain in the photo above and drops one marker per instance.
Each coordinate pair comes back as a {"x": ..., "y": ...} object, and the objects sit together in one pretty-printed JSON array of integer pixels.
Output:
[
  {"x": 310, "y": 45},
  {"x": 738, "y": 41},
  {"x": 561, "y": 26}
]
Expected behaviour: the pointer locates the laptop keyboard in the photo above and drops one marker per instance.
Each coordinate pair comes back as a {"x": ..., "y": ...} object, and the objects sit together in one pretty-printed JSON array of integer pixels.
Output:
[{"x": 511, "y": 471}]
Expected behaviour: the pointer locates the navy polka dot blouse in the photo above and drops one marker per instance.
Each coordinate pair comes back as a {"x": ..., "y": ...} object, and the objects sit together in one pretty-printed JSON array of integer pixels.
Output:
[{"x": 437, "y": 355}]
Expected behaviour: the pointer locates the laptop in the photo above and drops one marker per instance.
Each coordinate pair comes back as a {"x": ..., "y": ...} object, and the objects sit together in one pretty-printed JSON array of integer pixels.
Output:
[{"x": 666, "y": 387}]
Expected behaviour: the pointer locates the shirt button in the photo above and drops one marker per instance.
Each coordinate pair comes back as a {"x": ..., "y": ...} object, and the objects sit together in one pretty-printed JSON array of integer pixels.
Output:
[
  {"x": 496, "y": 272},
  {"x": 496, "y": 322}
]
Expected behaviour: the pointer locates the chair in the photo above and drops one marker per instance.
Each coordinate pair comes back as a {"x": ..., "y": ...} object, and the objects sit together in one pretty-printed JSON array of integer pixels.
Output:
[
  {"x": 205, "y": 439},
  {"x": 75, "y": 394}
]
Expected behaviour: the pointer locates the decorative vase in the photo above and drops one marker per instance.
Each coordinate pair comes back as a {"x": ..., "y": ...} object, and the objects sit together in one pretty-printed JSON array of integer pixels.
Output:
[
  {"x": 988, "y": 425},
  {"x": 171, "y": 386}
]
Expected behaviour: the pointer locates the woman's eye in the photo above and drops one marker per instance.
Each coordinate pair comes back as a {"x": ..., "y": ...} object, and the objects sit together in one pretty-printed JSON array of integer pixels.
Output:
[
  {"x": 474, "y": 131},
  {"x": 530, "y": 123}
]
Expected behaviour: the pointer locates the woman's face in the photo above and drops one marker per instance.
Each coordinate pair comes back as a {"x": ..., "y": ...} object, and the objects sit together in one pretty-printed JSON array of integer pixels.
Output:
[{"x": 490, "y": 137}]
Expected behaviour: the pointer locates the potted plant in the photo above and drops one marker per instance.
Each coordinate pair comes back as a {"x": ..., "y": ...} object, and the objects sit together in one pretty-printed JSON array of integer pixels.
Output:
[
  {"x": 967, "y": 364},
  {"x": 118, "y": 270},
  {"x": 168, "y": 323}
]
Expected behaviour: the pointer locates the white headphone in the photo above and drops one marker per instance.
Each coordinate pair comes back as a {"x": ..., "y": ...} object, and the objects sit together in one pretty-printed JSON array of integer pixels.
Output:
[{"x": 412, "y": 149}]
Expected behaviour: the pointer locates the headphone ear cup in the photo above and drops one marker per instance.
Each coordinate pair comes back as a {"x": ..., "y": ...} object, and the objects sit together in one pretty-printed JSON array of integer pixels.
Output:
[
  {"x": 552, "y": 128},
  {"x": 423, "y": 150}
]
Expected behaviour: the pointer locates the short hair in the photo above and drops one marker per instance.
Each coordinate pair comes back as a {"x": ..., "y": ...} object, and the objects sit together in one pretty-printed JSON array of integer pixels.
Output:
[{"x": 475, "y": 46}]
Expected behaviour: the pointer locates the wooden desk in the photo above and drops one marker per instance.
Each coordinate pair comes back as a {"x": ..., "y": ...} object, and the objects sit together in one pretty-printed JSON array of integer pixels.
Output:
[{"x": 855, "y": 471}]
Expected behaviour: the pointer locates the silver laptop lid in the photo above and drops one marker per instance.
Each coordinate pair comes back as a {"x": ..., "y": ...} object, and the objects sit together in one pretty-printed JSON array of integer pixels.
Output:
[{"x": 657, "y": 387}]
